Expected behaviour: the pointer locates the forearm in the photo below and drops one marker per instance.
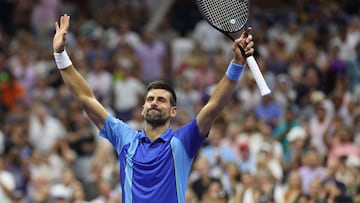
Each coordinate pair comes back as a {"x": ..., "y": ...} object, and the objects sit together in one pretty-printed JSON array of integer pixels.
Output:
[
  {"x": 76, "y": 83},
  {"x": 219, "y": 98}
]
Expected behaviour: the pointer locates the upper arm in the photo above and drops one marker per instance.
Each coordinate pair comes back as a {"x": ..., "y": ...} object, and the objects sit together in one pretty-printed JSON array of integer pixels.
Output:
[
  {"x": 205, "y": 119},
  {"x": 96, "y": 112},
  {"x": 83, "y": 93},
  {"x": 190, "y": 137}
]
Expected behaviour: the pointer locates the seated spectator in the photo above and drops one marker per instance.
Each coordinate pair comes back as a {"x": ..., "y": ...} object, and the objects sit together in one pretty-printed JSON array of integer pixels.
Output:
[
  {"x": 7, "y": 183},
  {"x": 342, "y": 145},
  {"x": 269, "y": 111},
  {"x": 247, "y": 193},
  {"x": 215, "y": 193},
  {"x": 217, "y": 155},
  {"x": 291, "y": 191},
  {"x": 202, "y": 180},
  {"x": 312, "y": 168},
  {"x": 247, "y": 162},
  {"x": 292, "y": 158}
]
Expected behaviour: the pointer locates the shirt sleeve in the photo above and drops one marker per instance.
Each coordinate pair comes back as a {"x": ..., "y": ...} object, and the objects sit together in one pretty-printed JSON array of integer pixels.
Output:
[
  {"x": 117, "y": 132},
  {"x": 190, "y": 136}
]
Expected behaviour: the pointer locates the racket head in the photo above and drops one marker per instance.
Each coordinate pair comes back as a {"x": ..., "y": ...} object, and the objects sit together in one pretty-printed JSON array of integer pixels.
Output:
[{"x": 227, "y": 16}]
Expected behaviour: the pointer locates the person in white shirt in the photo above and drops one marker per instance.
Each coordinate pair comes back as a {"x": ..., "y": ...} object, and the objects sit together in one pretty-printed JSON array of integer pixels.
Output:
[
  {"x": 7, "y": 183},
  {"x": 44, "y": 129}
]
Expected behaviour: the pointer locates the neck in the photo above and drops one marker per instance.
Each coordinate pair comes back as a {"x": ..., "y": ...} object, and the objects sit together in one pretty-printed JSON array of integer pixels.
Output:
[{"x": 153, "y": 132}]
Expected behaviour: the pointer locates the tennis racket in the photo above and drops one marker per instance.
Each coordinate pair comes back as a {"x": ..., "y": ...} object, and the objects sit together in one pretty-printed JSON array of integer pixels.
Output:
[{"x": 230, "y": 16}]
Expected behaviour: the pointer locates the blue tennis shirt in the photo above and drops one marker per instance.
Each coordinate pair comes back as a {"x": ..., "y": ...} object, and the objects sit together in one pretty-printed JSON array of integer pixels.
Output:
[{"x": 153, "y": 171}]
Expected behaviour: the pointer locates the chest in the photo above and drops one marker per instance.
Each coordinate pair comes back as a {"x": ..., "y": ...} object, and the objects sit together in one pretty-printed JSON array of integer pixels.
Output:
[{"x": 152, "y": 154}]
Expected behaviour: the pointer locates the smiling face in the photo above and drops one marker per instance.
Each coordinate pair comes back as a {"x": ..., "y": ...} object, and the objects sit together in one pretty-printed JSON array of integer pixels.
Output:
[{"x": 157, "y": 109}]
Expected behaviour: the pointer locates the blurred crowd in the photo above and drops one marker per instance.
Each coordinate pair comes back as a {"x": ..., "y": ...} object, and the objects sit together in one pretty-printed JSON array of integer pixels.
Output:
[{"x": 300, "y": 144}]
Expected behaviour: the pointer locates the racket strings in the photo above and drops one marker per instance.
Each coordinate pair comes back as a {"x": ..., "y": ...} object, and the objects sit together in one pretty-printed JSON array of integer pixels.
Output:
[{"x": 227, "y": 15}]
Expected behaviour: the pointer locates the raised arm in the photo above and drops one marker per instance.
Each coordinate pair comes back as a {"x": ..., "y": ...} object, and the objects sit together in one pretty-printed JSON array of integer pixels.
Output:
[
  {"x": 72, "y": 78},
  {"x": 226, "y": 87}
]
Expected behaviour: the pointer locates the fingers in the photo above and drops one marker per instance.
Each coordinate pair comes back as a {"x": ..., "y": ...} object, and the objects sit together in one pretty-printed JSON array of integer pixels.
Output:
[
  {"x": 57, "y": 26},
  {"x": 64, "y": 23},
  {"x": 249, "y": 50},
  {"x": 245, "y": 42}
]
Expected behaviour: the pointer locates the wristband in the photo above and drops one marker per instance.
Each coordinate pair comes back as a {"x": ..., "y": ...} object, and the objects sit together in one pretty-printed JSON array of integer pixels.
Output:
[
  {"x": 62, "y": 60},
  {"x": 234, "y": 71}
]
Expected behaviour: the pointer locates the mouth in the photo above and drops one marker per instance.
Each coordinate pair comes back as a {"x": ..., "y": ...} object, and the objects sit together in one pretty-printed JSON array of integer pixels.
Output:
[{"x": 153, "y": 109}]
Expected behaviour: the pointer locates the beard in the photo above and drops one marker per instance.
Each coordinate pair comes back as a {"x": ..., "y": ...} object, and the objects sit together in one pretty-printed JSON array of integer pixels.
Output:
[{"x": 156, "y": 120}]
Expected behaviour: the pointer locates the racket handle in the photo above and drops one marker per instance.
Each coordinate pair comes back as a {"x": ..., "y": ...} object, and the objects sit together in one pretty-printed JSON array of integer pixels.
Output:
[{"x": 259, "y": 79}]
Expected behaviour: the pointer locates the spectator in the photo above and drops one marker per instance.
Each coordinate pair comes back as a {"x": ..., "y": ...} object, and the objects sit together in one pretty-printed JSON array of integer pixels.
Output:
[
  {"x": 231, "y": 178},
  {"x": 269, "y": 111},
  {"x": 353, "y": 71},
  {"x": 297, "y": 145},
  {"x": 230, "y": 140},
  {"x": 12, "y": 94},
  {"x": 342, "y": 145},
  {"x": 316, "y": 192},
  {"x": 23, "y": 69},
  {"x": 266, "y": 183},
  {"x": 122, "y": 33},
  {"x": 312, "y": 168},
  {"x": 200, "y": 184},
  {"x": 296, "y": 67},
  {"x": 218, "y": 155},
  {"x": 106, "y": 193},
  {"x": 247, "y": 161},
  {"x": 152, "y": 54},
  {"x": 189, "y": 97},
  {"x": 250, "y": 132},
  {"x": 283, "y": 128},
  {"x": 291, "y": 191},
  {"x": 247, "y": 193},
  {"x": 209, "y": 39},
  {"x": 100, "y": 80},
  {"x": 318, "y": 125},
  {"x": 215, "y": 193},
  {"x": 190, "y": 196},
  {"x": 127, "y": 90},
  {"x": 60, "y": 194},
  {"x": 44, "y": 128},
  {"x": 7, "y": 183}
]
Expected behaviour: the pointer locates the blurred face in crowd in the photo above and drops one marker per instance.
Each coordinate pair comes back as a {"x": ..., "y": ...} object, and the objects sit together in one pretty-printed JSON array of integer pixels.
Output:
[
  {"x": 320, "y": 112},
  {"x": 315, "y": 188},
  {"x": 312, "y": 159},
  {"x": 294, "y": 180},
  {"x": 215, "y": 136},
  {"x": 311, "y": 78},
  {"x": 246, "y": 179},
  {"x": 343, "y": 135},
  {"x": 202, "y": 166},
  {"x": 244, "y": 151}
]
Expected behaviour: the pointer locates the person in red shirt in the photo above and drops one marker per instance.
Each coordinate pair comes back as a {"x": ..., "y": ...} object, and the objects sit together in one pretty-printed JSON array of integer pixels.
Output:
[{"x": 12, "y": 94}]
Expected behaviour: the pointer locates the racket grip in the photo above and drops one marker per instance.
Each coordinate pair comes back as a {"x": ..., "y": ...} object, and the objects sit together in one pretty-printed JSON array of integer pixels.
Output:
[{"x": 259, "y": 79}]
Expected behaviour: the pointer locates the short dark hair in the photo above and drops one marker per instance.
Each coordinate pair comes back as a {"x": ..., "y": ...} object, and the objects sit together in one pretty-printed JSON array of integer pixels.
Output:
[{"x": 160, "y": 84}]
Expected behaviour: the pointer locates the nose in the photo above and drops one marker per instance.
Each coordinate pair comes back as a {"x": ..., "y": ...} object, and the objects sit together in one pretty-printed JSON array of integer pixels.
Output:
[{"x": 154, "y": 102}]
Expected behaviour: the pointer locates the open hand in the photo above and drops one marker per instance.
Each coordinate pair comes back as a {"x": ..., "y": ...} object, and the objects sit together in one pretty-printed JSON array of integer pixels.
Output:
[{"x": 60, "y": 35}]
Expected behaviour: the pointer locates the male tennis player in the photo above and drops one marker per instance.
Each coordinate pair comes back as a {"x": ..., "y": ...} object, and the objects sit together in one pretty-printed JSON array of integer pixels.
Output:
[{"x": 154, "y": 163}]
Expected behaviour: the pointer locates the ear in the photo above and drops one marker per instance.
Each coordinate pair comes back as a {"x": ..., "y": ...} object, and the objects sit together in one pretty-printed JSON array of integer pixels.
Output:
[{"x": 173, "y": 111}]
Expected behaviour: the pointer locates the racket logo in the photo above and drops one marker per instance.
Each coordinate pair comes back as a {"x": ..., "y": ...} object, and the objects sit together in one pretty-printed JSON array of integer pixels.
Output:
[{"x": 232, "y": 21}]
